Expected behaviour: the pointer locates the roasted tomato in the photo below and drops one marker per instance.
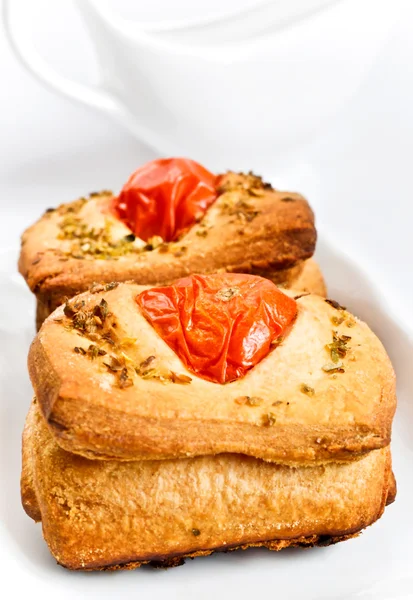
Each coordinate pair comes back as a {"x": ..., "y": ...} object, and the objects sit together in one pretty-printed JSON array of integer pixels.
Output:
[
  {"x": 219, "y": 325},
  {"x": 165, "y": 197}
]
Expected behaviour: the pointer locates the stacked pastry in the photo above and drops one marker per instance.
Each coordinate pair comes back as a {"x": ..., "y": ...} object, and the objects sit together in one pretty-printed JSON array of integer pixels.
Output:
[{"x": 214, "y": 412}]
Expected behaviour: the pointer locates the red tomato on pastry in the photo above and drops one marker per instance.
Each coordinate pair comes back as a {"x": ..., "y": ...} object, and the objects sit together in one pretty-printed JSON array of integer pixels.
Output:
[
  {"x": 165, "y": 197},
  {"x": 219, "y": 325}
]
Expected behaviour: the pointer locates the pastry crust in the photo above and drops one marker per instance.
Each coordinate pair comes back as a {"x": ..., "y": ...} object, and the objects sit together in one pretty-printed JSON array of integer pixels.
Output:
[
  {"x": 303, "y": 415},
  {"x": 110, "y": 515},
  {"x": 249, "y": 228},
  {"x": 309, "y": 279}
]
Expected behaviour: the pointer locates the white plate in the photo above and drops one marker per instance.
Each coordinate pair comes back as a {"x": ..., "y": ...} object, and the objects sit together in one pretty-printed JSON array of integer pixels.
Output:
[{"x": 377, "y": 565}]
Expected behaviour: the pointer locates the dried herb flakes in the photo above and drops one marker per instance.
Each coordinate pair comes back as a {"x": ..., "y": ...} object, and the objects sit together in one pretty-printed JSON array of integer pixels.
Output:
[
  {"x": 338, "y": 348},
  {"x": 334, "y": 367},
  {"x": 227, "y": 293},
  {"x": 269, "y": 419},
  {"x": 249, "y": 400},
  {"x": 91, "y": 242},
  {"x": 306, "y": 389},
  {"x": 334, "y": 304},
  {"x": 103, "y": 287},
  {"x": 124, "y": 381},
  {"x": 180, "y": 378}
]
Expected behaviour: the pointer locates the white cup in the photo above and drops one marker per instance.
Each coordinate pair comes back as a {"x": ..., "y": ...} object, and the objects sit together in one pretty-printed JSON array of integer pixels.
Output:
[
  {"x": 218, "y": 22},
  {"x": 241, "y": 103}
]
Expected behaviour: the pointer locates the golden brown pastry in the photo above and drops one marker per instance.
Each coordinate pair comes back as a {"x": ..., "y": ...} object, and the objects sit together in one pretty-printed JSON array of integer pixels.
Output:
[
  {"x": 109, "y": 386},
  {"x": 308, "y": 279},
  {"x": 244, "y": 225},
  {"x": 217, "y": 412},
  {"x": 109, "y": 514}
]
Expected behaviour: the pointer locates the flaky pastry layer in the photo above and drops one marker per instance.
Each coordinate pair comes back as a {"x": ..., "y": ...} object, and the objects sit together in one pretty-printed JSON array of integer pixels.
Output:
[
  {"x": 138, "y": 401},
  {"x": 109, "y": 514}
]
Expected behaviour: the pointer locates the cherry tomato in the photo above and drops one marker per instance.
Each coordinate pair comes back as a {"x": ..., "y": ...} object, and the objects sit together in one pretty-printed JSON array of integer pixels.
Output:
[
  {"x": 165, "y": 197},
  {"x": 219, "y": 325}
]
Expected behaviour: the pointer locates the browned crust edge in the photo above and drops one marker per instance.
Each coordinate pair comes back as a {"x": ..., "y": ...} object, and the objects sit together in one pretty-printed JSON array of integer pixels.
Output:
[
  {"x": 178, "y": 560},
  {"x": 165, "y": 433}
]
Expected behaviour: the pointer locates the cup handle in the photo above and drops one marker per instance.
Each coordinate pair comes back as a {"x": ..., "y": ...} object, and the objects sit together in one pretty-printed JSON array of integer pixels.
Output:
[{"x": 33, "y": 62}]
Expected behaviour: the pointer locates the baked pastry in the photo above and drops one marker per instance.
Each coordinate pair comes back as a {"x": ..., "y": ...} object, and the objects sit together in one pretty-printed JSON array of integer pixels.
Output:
[
  {"x": 120, "y": 515},
  {"x": 171, "y": 219},
  {"x": 164, "y": 416},
  {"x": 326, "y": 393}
]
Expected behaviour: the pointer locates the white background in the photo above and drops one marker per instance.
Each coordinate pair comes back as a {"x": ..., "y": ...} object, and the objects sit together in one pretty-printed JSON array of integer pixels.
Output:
[{"x": 357, "y": 174}]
